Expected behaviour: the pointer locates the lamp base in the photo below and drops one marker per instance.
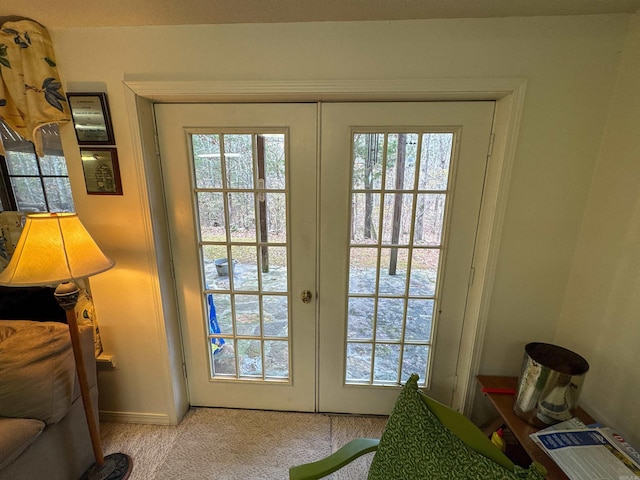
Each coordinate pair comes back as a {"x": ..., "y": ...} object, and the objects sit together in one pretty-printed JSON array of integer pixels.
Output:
[
  {"x": 67, "y": 294},
  {"x": 117, "y": 466}
]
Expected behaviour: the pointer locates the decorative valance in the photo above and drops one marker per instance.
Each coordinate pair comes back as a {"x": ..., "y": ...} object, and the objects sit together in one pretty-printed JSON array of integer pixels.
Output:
[{"x": 31, "y": 94}]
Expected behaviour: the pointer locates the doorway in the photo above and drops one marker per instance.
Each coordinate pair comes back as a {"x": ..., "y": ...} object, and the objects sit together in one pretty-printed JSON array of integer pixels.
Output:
[{"x": 389, "y": 168}]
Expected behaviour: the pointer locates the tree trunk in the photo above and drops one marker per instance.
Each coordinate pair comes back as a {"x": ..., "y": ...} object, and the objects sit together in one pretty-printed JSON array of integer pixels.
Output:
[
  {"x": 397, "y": 201},
  {"x": 262, "y": 207},
  {"x": 372, "y": 147},
  {"x": 422, "y": 181}
]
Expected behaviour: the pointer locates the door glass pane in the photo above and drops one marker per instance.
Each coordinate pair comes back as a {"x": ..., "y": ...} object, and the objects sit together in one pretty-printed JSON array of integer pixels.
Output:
[
  {"x": 386, "y": 360},
  {"x": 396, "y": 228},
  {"x": 435, "y": 158},
  {"x": 367, "y": 160},
  {"x": 238, "y": 160},
  {"x": 419, "y": 315},
  {"x": 359, "y": 362},
  {"x": 401, "y": 158},
  {"x": 414, "y": 360},
  {"x": 273, "y": 227},
  {"x": 225, "y": 359},
  {"x": 250, "y": 358},
  {"x": 360, "y": 320},
  {"x": 274, "y": 176},
  {"x": 207, "y": 162},
  {"x": 389, "y": 319},
  {"x": 276, "y": 359},
  {"x": 240, "y": 189},
  {"x": 247, "y": 315},
  {"x": 365, "y": 218},
  {"x": 216, "y": 269},
  {"x": 424, "y": 272},
  {"x": 242, "y": 216},
  {"x": 393, "y": 271},
  {"x": 220, "y": 316},
  {"x": 363, "y": 266},
  {"x": 273, "y": 267},
  {"x": 399, "y": 197},
  {"x": 429, "y": 219},
  {"x": 211, "y": 214},
  {"x": 275, "y": 312},
  {"x": 244, "y": 262}
]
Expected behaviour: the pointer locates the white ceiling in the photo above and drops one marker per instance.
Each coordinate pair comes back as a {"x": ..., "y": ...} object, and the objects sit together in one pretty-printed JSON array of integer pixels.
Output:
[{"x": 90, "y": 13}]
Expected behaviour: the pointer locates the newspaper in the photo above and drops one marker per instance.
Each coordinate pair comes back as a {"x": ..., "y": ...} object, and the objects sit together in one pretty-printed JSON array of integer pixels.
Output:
[{"x": 590, "y": 453}]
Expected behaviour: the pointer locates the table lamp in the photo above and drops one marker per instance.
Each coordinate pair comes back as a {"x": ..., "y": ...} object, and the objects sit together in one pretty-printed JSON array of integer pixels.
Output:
[{"x": 55, "y": 248}]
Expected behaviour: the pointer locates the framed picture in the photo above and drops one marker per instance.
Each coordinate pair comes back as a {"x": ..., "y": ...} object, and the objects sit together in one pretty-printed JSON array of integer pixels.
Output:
[
  {"x": 91, "y": 119},
  {"x": 101, "y": 171}
]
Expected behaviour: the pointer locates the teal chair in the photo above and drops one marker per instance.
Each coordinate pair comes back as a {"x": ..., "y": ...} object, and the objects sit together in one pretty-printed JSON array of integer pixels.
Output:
[{"x": 424, "y": 439}]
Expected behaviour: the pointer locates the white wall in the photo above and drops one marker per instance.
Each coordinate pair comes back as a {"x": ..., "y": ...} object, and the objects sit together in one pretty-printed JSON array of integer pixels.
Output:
[
  {"x": 570, "y": 64},
  {"x": 601, "y": 314}
]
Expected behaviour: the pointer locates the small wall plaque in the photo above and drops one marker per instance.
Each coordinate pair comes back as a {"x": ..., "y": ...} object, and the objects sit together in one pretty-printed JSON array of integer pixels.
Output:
[
  {"x": 101, "y": 171},
  {"x": 90, "y": 113}
]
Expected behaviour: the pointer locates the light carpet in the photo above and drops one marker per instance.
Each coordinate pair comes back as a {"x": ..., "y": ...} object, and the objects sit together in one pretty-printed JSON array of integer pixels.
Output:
[{"x": 228, "y": 444}]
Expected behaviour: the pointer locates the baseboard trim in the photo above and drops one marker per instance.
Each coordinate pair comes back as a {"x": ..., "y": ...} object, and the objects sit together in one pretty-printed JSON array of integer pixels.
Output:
[{"x": 133, "y": 417}]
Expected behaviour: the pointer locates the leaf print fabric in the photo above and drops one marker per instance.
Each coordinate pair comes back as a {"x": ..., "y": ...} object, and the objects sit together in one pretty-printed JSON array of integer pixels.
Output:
[
  {"x": 415, "y": 445},
  {"x": 31, "y": 93}
]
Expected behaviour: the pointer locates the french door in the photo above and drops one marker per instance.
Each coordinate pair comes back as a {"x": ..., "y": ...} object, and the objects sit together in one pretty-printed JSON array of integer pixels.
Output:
[
  {"x": 400, "y": 201},
  {"x": 316, "y": 271},
  {"x": 240, "y": 182}
]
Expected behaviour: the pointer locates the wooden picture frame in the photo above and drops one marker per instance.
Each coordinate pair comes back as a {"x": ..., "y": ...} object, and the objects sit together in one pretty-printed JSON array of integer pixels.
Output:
[
  {"x": 101, "y": 171},
  {"x": 91, "y": 118}
]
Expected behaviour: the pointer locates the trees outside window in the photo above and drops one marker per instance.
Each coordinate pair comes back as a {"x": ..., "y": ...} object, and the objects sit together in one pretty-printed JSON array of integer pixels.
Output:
[{"x": 30, "y": 183}]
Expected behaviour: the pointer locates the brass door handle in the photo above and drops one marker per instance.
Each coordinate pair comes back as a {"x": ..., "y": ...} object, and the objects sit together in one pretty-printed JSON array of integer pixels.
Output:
[{"x": 306, "y": 296}]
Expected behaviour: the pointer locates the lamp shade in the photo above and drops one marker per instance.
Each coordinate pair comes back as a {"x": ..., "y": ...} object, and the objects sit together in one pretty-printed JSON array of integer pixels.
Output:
[{"x": 54, "y": 248}]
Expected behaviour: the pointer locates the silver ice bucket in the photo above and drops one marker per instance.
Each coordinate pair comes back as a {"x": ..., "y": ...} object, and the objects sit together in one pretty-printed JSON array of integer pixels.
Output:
[{"x": 549, "y": 385}]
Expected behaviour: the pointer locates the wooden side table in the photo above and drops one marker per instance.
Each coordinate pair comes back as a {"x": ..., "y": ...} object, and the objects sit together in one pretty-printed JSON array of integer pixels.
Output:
[{"x": 503, "y": 403}]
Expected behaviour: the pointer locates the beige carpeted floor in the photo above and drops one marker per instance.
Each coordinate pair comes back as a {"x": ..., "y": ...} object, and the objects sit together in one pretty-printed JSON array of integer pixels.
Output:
[{"x": 226, "y": 444}]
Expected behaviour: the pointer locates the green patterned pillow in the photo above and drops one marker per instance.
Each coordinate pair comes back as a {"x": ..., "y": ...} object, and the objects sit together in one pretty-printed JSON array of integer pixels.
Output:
[{"x": 415, "y": 445}]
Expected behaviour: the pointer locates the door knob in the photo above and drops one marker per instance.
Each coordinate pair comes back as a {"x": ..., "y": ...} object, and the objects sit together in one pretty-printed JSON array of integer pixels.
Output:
[{"x": 306, "y": 296}]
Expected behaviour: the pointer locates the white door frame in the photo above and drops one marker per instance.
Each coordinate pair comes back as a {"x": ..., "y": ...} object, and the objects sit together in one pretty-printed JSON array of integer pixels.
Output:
[{"x": 509, "y": 94}]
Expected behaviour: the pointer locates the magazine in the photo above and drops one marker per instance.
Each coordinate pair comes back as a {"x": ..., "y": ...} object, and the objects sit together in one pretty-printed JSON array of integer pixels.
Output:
[
  {"x": 574, "y": 423},
  {"x": 590, "y": 453}
]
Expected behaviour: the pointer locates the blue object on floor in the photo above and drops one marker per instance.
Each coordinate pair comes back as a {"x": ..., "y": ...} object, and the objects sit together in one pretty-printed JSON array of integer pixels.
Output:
[{"x": 216, "y": 343}]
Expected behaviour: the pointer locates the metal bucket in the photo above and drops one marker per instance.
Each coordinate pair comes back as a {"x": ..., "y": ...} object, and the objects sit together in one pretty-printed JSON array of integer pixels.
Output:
[
  {"x": 222, "y": 266},
  {"x": 549, "y": 385}
]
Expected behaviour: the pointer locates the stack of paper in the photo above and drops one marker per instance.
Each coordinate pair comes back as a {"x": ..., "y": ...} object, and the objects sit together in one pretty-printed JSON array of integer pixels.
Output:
[{"x": 588, "y": 453}]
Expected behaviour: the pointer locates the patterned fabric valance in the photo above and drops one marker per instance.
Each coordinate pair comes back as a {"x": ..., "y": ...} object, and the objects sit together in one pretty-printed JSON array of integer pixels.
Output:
[{"x": 31, "y": 94}]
